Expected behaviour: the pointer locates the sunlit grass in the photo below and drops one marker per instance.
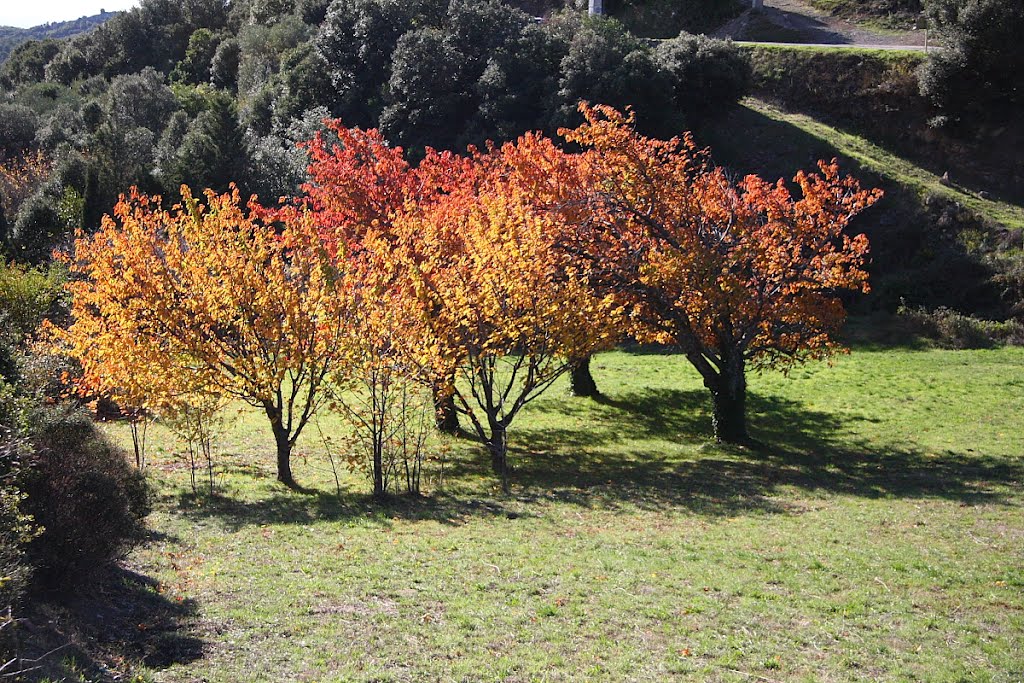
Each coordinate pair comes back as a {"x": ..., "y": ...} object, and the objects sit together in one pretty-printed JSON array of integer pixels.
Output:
[{"x": 876, "y": 533}]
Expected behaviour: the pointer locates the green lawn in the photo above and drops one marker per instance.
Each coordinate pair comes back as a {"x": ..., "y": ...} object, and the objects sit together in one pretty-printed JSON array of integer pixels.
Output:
[{"x": 876, "y": 534}]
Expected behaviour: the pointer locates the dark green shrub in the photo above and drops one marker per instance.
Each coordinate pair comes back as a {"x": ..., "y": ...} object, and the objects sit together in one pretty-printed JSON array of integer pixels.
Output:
[
  {"x": 358, "y": 39},
  {"x": 16, "y": 528},
  {"x": 305, "y": 84},
  {"x": 81, "y": 489},
  {"x": 606, "y": 64},
  {"x": 224, "y": 65},
  {"x": 706, "y": 74},
  {"x": 426, "y": 92},
  {"x": 313, "y": 12},
  {"x": 977, "y": 77},
  {"x": 18, "y": 126},
  {"x": 27, "y": 62},
  {"x": 45, "y": 376},
  {"x": 517, "y": 88},
  {"x": 37, "y": 228},
  {"x": 195, "y": 66},
  {"x": 1009, "y": 277}
]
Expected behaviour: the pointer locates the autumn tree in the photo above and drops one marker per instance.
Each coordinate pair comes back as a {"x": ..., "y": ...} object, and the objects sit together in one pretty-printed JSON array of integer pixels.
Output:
[
  {"x": 119, "y": 359},
  {"x": 736, "y": 274},
  {"x": 383, "y": 390},
  {"x": 209, "y": 296},
  {"x": 357, "y": 182},
  {"x": 358, "y": 186},
  {"x": 504, "y": 306}
]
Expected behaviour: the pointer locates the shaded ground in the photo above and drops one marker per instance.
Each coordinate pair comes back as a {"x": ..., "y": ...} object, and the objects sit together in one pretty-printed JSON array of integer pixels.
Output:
[
  {"x": 123, "y": 617},
  {"x": 797, "y": 448}
]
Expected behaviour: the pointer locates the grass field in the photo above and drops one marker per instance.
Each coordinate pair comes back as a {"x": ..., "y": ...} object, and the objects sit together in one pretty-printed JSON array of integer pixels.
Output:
[{"x": 877, "y": 533}]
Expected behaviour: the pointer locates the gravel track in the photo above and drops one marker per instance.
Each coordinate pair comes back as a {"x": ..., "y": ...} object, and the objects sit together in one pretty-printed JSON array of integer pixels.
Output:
[{"x": 802, "y": 23}]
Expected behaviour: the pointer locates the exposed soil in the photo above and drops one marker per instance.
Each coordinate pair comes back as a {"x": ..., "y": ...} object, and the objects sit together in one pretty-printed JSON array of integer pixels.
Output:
[{"x": 794, "y": 21}]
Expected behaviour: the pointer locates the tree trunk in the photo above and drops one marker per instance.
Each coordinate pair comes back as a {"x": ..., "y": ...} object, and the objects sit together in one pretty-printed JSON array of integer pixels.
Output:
[
  {"x": 378, "y": 469},
  {"x": 581, "y": 382},
  {"x": 284, "y": 463},
  {"x": 729, "y": 392},
  {"x": 445, "y": 415},
  {"x": 498, "y": 447},
  {"x": 284, "y": 446}
]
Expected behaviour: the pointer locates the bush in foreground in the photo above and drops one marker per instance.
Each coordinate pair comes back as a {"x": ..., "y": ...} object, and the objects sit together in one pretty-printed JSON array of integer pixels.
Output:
[
  {"x": 58, "y": 474},
  {"x": 84, "y": 494}
]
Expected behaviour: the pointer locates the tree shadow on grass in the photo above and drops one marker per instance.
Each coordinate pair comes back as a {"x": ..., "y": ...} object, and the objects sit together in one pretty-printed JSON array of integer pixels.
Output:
[
  {"x": 794, "y": 447},
  {"x": 289, "y": 507},
  {"x": 122, "y": 616},
  {"x": 624, "y": 455}
]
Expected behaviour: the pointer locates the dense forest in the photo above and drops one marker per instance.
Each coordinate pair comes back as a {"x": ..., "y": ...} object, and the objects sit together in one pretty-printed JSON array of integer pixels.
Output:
[{"x": 204, "y": 92}]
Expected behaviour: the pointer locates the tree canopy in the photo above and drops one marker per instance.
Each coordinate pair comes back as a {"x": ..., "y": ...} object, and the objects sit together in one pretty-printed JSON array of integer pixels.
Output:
[
  {"x": 977, "y": 74},
  {"x": 207, "y": 297},
  {"x": 733, "y": 274}
]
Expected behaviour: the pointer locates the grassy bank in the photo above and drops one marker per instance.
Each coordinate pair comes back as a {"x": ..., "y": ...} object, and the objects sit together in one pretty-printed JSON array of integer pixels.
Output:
[
  {"x": 875, "y": 535},
  {"x": 925, "y": 233},
  {"x": 875, "y": 13},
  {"x": 876, "y": 94},
  {"x": 892, "y": 167}
]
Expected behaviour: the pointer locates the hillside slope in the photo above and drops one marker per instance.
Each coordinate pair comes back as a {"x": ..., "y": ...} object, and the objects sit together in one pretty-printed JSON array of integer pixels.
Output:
[
  {"x": 926, "y": 233},
  {"x": 11, "y": 37},
  {"x": 888, "y": 13},
  {"x": 894, "y": 168}
]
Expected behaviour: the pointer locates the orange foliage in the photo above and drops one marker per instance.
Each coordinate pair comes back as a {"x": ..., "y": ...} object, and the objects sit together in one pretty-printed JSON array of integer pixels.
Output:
[
  {"x": 207, "y": 298},
  {"x": 358, "y": 184},
  {"x": 456, "y": 269},
  {"x": 732, "y": 273},
  {"x": 357, "y": 187},
  {"x": 502, "y": 304},
  {"x": 502, "y": 266}
]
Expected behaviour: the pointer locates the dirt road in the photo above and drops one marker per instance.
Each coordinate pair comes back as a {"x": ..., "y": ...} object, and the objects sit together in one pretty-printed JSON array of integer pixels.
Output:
[{"x": 794, "y": 21}]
